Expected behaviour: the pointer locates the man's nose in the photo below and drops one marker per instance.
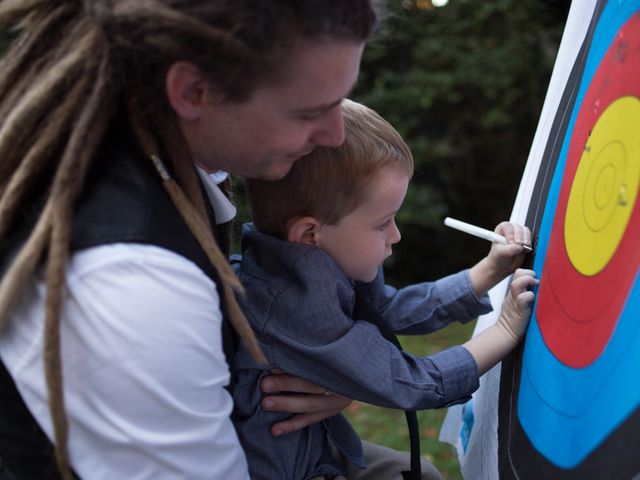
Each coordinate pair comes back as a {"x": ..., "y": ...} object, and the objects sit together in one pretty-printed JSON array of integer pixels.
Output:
[{"x": 330, "y": 129}]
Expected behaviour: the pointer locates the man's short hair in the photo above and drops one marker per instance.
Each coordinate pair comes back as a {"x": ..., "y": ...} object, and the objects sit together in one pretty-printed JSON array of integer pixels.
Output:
[{"x": 331, "y": 182}]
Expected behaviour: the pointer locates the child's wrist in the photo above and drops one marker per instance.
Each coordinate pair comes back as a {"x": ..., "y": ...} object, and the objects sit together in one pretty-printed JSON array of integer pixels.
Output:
[
  {"x": 494, "y": 271},
  {"x": 484, "y": 276},
  {"x": 508, "y": 331},
  {"x": 490, "y": 347}
]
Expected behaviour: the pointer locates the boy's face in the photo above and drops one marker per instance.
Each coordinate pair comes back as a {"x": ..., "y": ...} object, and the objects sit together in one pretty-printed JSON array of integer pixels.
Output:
[{"x": 362, "y": 240}]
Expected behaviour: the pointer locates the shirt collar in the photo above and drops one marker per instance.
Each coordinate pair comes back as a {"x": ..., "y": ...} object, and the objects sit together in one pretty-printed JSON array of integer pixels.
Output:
[{"x": 224, "y": 210}]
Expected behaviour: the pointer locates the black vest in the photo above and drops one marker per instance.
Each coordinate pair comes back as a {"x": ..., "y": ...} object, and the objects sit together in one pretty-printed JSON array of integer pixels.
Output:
[{"x": 123, "y": 201}]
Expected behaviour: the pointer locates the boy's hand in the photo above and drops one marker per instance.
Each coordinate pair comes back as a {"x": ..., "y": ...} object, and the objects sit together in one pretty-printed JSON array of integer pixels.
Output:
[
  {"x": 491, "y": 345},
  {"x": 502, "y": 259},
  {"x": 506, "y": 258},
  {"x": 516, "y": 308}
]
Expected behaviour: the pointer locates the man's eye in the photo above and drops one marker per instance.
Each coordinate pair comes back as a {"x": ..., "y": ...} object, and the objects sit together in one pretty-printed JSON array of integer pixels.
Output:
[
  {"x": 384, "y": 225},
  {"x": 310, "y": 117}
]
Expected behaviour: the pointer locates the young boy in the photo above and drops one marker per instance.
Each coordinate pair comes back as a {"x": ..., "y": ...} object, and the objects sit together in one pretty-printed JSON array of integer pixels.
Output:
[{"x": 322, "y": 233}]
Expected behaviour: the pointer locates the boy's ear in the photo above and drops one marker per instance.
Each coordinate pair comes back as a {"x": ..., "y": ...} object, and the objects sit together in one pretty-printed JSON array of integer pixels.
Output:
[
  {"x": 187, "y": 90},
  {"x": 303, "y": 230}
]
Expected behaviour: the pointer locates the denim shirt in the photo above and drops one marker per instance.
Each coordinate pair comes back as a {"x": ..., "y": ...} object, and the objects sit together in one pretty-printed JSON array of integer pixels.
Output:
[{"x": 300, "y": 305}]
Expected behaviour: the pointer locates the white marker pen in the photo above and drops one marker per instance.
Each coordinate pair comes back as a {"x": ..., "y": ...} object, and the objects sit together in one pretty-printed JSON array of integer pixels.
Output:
[{"x": 478, "y": 231}]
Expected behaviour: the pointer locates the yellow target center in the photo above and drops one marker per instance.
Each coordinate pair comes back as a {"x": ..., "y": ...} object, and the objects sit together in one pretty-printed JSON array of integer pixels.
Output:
[{"x": 605, "y": 188}]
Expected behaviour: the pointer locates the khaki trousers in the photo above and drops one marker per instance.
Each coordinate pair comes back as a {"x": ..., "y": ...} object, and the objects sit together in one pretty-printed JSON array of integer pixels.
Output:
[{"x": 383, "y": 464}]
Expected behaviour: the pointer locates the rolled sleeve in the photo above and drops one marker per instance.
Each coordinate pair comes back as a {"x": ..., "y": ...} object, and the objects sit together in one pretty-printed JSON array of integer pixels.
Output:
[
  {"x": 459, "y": 299},
  {"x": 458, "y": 373}
]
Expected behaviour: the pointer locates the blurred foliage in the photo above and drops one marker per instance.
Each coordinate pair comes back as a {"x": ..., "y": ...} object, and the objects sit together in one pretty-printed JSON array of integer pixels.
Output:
[{"x": 464, "y": 84}]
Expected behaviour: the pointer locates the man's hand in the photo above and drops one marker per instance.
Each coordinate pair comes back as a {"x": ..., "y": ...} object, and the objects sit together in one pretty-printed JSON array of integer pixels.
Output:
[{"x": 309, "y": 404}]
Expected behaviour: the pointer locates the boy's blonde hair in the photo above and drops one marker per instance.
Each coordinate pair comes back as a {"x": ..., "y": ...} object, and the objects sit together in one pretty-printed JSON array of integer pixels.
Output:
[{"x": 331, "y": 182}]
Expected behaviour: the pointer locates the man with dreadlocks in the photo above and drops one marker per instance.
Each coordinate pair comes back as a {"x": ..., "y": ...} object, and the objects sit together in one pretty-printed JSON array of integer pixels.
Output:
[{"x": 117, "y": 119}]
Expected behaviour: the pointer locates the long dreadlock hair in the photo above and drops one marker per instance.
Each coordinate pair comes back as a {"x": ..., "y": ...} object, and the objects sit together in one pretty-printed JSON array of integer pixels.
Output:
[{"x": 70, "y": 62}]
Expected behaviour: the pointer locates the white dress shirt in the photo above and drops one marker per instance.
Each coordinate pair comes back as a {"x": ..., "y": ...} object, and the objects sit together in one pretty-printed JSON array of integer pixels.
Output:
[{"x": 142, "y": 361}]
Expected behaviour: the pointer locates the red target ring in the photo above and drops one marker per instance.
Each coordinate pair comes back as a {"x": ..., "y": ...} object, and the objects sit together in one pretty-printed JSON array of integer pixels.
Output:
[{"x": 577, "y": 312}]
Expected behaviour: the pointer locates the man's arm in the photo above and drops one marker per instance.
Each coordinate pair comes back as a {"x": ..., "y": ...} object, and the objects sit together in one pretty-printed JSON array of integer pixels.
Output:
[{"x": 144, "y": 368}]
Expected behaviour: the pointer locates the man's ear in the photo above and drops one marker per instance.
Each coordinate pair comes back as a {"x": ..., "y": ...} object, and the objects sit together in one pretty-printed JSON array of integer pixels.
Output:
[
  {"x": 187, "y": 90},
  {"x": 303, "y": 230}
]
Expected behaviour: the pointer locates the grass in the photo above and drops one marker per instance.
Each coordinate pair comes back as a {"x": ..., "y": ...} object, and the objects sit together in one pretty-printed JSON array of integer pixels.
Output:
[{"x": 388, "y": 427}]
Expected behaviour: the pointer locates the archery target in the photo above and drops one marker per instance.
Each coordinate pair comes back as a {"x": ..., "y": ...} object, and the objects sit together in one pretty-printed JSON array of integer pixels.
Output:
[{"x": 579, "y": 379}]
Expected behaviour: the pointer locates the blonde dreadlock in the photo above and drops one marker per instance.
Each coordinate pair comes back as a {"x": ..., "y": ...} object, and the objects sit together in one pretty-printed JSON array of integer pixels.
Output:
[{"x": 70, "y": 63}]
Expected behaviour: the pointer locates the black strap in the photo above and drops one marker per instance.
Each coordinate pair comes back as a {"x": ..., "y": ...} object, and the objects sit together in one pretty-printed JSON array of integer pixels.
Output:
[{"x": 364, "y": 310}]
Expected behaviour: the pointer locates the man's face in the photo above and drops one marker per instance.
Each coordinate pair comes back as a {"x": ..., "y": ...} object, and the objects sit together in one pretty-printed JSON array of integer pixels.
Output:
[{"x": 279, "y": 123}]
